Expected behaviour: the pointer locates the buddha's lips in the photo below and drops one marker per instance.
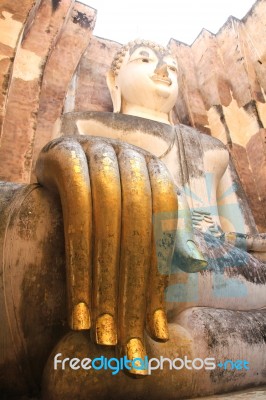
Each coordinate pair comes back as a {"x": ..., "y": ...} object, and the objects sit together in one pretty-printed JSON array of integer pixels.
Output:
[{"x": 158, "y": 78}]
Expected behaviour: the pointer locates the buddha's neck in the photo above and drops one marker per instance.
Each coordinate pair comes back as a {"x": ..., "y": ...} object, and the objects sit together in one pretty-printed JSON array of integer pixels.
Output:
[{"x": 143, "y": 112}]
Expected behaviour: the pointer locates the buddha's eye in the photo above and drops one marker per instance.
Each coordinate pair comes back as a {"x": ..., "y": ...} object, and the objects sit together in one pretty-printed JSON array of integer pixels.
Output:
[
  {"x": 172, "y": 68},
  {"x": 145, "y": 59}
]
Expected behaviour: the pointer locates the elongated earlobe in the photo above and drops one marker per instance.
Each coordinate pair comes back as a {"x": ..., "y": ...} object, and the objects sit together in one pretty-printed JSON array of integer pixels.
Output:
[
  {"x": 170, "y": 117},
  {"x": 114, "y": 91}
]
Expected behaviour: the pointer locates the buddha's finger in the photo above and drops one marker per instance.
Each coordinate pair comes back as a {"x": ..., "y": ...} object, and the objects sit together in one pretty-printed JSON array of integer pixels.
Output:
[
  {"x": 62, "y": 167},
  {"x": 135, "y": 255},
  {"x": 164, "y": 209},
  {"x": 106, "y": 196}
]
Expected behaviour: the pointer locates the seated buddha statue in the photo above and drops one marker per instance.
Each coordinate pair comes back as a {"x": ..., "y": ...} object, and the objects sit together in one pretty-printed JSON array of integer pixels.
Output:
[
  {"x": 162, "y": 252},
  {"x": 218, "y": 311}
]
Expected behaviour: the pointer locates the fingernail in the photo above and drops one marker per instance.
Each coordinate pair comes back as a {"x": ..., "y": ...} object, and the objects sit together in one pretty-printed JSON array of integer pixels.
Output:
[
  {"x": 160, "y": 326},
  {"x": 106, "y": 330},
  {"x": 135, "y": 349},
  {"x": 194, "y": 251},
  {"x": 80, "y": 317},
  {"x": 197, "y": 262}
]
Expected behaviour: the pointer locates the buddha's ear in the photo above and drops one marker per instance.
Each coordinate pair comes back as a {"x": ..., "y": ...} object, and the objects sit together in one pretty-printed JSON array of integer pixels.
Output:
[
  {"x": 170, "y": 117},
  {"x": 114, "y": 91}
]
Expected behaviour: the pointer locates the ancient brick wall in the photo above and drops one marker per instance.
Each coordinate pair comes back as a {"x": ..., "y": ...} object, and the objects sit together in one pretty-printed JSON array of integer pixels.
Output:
[{"x": 47, "y": 45}]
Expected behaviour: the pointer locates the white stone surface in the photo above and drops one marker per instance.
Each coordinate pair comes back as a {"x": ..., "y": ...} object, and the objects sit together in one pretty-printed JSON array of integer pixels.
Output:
[{"x": 250, "y": 394}]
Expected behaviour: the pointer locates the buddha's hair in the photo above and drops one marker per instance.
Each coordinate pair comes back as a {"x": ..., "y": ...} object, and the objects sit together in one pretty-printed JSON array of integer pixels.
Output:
[{"x": 120, "y": 55}]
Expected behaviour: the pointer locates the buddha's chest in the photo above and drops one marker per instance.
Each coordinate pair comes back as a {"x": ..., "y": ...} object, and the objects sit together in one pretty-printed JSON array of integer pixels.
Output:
[{"x": 192, "y": 160}]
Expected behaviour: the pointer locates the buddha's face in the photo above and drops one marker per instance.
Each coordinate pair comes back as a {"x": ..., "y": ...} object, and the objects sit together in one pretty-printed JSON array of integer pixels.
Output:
[{"x": 148, "y": 78}]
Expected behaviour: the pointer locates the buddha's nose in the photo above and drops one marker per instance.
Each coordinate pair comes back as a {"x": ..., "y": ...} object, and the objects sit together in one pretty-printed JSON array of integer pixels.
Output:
[{"x": 162, "y": 70}]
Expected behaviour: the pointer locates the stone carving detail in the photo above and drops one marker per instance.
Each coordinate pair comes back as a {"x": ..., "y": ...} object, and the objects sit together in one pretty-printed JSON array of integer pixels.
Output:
[
  {"x": 143, "y": 88},
  {"x": 59, "y": 219}
]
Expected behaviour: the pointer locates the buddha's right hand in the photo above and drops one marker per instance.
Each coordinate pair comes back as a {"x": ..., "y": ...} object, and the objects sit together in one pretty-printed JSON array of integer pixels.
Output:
[{"x": 120, "y": 214}]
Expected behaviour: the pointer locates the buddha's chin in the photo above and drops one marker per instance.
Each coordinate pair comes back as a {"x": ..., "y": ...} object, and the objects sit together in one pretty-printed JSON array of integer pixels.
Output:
[{"x": 162, "y": 91}]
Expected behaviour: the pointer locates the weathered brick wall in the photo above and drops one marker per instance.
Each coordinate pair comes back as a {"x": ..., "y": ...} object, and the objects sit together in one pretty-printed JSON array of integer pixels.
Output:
[{"x": 48, "y": 49}]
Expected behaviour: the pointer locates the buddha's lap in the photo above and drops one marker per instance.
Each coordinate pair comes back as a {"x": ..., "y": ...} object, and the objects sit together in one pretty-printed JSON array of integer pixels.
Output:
[{"x": 233, "y": 279}]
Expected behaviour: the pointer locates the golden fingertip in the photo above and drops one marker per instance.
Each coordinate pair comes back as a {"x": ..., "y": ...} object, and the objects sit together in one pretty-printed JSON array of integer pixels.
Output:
[
  {"x": 136, "y": 349},
  {"x": 160, "y": 326},
  {"x": 80, "y": 317},
  {"x": 106, "y": 330}
]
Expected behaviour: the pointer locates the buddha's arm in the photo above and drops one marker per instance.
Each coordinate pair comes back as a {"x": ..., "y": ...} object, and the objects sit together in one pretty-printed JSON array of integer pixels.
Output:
[
  {"x": 235, "y": 215},
  {"x": 234, "y": 212}
]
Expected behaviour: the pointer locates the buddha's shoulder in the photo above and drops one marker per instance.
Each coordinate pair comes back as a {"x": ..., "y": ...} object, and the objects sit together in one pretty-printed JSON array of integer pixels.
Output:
[{"x": 208, "y": 142}]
